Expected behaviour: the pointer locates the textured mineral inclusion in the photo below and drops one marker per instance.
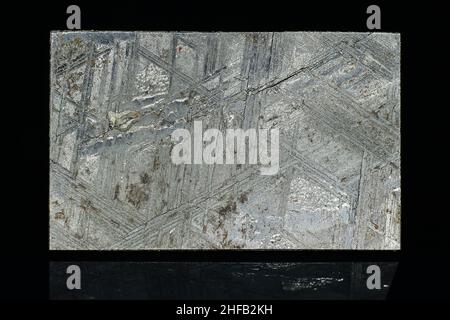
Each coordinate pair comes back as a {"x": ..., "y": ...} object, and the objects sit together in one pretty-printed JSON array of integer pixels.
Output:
[{"x": 116, "y": 97}]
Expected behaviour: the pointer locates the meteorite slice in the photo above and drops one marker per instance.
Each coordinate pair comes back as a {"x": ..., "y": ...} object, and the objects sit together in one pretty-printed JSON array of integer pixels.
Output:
[{"x": 118, "y": 97}]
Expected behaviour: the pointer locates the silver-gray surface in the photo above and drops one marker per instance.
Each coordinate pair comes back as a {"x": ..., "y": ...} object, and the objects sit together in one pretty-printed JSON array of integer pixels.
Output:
[{"x": 117, "y": 96}]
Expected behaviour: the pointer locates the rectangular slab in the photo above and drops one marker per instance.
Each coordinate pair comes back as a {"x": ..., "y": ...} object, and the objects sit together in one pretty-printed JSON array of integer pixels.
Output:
[{"x": 118, "y": 97}]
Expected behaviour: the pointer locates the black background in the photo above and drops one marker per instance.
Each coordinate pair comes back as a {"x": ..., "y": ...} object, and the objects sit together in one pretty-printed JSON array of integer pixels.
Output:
[{"x": 423, "y": 260}]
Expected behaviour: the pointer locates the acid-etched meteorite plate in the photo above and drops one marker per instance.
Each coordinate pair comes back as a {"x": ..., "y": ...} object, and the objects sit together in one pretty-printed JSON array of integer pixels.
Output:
[{"x": 118, "y": 97}]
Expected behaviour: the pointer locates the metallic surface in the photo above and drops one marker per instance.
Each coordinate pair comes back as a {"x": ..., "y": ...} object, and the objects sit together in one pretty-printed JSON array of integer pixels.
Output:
[{"x": 117, "y": 96}]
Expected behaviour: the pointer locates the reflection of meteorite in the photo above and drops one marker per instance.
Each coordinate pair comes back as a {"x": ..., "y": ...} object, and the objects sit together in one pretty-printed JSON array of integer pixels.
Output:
[{"x": 116, "y": 97}]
